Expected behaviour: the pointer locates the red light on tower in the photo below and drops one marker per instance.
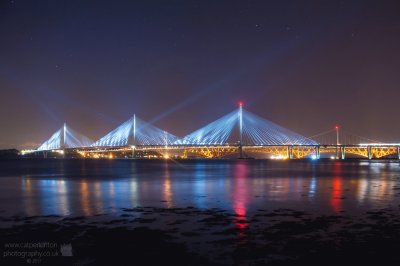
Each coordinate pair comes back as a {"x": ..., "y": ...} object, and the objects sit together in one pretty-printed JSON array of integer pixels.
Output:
[
  {"x": 336, "y": 127},
  {"x": 240, "y": 104}
]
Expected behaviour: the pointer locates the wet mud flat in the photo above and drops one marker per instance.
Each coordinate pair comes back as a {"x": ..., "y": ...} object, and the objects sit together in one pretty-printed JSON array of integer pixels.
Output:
[{"x": 191, "y": 236}]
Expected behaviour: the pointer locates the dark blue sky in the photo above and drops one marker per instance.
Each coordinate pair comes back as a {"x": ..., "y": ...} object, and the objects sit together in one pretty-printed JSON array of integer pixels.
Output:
[{"x": 305, "y": 65}]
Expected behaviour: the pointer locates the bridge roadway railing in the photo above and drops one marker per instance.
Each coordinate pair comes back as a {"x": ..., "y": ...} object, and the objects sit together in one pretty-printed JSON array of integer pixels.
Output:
[{"x": 275, "y": 151}]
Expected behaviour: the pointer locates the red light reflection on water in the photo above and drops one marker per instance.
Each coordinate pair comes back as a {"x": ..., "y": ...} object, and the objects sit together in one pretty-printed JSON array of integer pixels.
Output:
[
  {"x": 240, "y": 200},
  {"x": 336, "y": 198}
]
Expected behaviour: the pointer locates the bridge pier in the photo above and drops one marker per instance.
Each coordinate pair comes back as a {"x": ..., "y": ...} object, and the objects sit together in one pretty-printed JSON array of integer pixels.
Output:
[
  {"x": 342, "y": 152},
  {"x": 398, "y": 152},
  {"x": 369, "y": 149},
  {"x": 240, "y": 151},
  {"x": 318, "y": 152},
  {"x": 240, "y": 130},
  {"x": 290, "y": 152},
  {"x": 133, "y": 151}
]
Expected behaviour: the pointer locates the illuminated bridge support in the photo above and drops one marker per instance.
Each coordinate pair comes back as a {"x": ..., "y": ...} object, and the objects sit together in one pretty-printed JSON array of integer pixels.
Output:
[
  {"x": 342, "y": 152},
  {"x": 290, "y": 152},
  {"x": 240, "y": 130},
  {"x": 382, "y": 152},
  {"x": 398, "y": 152},
  {"x": 133, "y": 151},
  {"x": 209, "y": 152},
  {"x": 303, "y": 151},
  {"x": 317, "y": 152},
  {"x": 369, "y": 149},
  {"x": 224, "y": 151}
]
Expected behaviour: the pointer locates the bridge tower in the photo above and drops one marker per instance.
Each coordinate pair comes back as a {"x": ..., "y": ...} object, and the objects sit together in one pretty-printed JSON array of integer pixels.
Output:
[
  {"x": 337, "y": 135},
  {"x": 63, "y": 138},
  {"x": 338, "y": 150},
  {"x": 317, "y": 152},
  {"x": 290, "y": 152},
  {"x": 240, "y": 130},
  {"x": 342, "y": 152},
  {"x": 166, "y": 155},
  {"x": 369, "y": 150},
  {"x": 134, "y": 136}
]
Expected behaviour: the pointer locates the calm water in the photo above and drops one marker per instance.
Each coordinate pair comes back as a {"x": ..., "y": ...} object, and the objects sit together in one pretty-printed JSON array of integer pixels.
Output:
[{"x": 89, "y": 187}]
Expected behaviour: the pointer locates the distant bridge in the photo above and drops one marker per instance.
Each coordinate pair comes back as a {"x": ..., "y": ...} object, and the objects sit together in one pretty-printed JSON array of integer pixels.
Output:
[{"x": 239, "y": 134}]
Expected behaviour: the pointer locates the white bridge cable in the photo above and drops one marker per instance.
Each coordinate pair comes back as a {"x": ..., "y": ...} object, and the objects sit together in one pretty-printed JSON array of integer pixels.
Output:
[
  {"x": 322, "y": 133},
  {"x": 65, "y": 137},
  {"x": 117, "y": 137},
  {"x": 260, "y": 131},
  {"x": 329, "y": 137},
  {"x": 215, "y": 133},
  {"x": 53, "y": 143},
  {"x": 359, "y": 139},
  {"x": 135, "y": 131},
  {"x": 256, "y": 131},
  {"x": 74, "y": 139}
]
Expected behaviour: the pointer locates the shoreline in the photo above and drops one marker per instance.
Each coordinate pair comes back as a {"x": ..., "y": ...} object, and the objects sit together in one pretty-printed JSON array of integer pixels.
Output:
[{"x": 191, "y": 236}]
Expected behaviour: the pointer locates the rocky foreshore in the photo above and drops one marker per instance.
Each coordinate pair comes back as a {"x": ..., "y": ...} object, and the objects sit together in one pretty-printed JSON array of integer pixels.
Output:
[{"x": 191, "y": 236}]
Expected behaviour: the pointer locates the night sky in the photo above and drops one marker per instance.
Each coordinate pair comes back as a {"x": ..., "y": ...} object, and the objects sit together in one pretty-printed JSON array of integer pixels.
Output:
[{"x": 306, "y": 65}]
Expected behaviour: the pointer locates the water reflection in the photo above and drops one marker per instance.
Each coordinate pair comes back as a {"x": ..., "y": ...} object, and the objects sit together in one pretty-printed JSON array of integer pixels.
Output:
[
  {"x": 313, "y": 187},
  {"x": 336, "y": 197},
  {"x": 63, "y": 197},
  {"x": 240, "y": 199},
  {"x": 239, "y": 186},
  {"x": 167, "y": 187},
  {"x": 85, "y": 198},
  {"x": 134, "y": 192},
  {"x": 363, "y": 190},
  {"x": 98, "y": 198},
  {"x": 31, "y": 206},
  {"x": 52, "y": 196},
  {"x": 199, "y": 186}
]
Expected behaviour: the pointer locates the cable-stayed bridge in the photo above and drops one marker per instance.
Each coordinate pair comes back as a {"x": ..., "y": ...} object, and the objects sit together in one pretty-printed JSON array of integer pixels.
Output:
[
  {"x": 134, "y": 132},
  {"x": 239, "y": 134},
  {"x": 65, "y": 138}
]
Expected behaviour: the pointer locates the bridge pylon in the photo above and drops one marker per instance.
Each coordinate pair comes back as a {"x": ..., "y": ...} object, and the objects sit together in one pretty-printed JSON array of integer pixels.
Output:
[
  {"x": 369, "y": 149},
  {"x": 240, "y": 129},
  {"x": 290, "y": 152},
  {"x": 342, "y": 152},
  {"x": 133, "y": 146},
  {"x": 63, "y": 138}
]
